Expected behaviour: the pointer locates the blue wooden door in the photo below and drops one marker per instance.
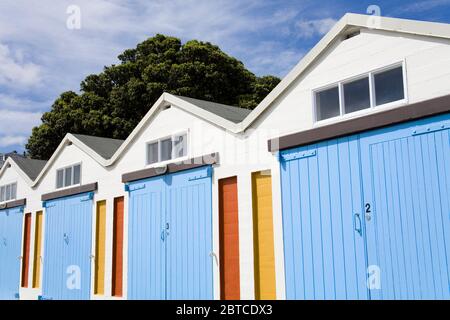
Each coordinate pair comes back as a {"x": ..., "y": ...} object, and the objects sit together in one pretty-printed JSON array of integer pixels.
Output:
[
  {"x": 67, "y": 255},
  {"x": 146, "y": 236},
  {"x": 189, "y": 241},
  {"x": 324, "y": 245},
  {"x": 10, "y": 252},
  {"x": 406, "y": 172},
  {"x": 170, "y": 236}
]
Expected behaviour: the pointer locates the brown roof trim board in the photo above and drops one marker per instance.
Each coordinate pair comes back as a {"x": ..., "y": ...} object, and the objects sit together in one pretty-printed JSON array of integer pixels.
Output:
[
  {"x": 191, "y": 163},
  {"x": 70, "y": 192},
  {"x": 374, "y": 121},
  {"x": 13, "y": 204}
]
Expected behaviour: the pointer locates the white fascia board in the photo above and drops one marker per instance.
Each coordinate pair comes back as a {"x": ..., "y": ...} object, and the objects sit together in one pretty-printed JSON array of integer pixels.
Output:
[
  {"x": 160, "y": 102},
  {"x": 422, "y": 28},
  {"x": 11, "y": 164},
  {"x": 310, "y": 57},
  {"x": 165, "y": 100}
]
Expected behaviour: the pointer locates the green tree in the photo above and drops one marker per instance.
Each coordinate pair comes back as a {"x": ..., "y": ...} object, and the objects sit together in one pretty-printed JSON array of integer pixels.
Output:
[{"x": 111, "y": 103}]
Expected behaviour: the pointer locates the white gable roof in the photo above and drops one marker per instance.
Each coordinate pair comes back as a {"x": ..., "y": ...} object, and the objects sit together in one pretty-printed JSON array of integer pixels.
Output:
[{"x": 347, "y": 23}]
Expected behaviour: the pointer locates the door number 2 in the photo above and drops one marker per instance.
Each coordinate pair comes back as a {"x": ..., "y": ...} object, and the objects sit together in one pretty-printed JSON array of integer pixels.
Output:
[{"x": 368, "y": 212}]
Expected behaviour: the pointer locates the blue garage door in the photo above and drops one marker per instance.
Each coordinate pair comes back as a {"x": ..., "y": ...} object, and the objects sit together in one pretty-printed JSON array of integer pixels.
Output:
[
  {"x": 10, "y": 251},
  {"x": 368, "y": 216},
  {"x": 67, "y": 255},
  {"x": 406, "y": 172},
  {"x": 170, "y": 237},
  {"x": 321, "y": 199}
]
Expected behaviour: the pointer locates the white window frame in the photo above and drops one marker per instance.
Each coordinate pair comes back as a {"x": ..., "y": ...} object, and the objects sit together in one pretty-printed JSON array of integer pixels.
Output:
[
  {"x": 172, "y": 137},
  {"x": 12, "y": 198},
  {"x": 373, "y": 107},
  {"x": 64, "y": 176}
]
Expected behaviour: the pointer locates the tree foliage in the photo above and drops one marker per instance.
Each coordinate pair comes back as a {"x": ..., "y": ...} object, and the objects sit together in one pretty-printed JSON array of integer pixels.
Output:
[{"x": 111, "y": 103}]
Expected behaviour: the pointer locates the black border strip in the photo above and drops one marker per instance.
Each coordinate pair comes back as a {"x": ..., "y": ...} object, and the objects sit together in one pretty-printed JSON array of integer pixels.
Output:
[
  {"x": 191, "y": 163},
  {"x": 13, "y": 204},
  {"x": 406, "y": 113},
  {"x": 70, "y": 192}
]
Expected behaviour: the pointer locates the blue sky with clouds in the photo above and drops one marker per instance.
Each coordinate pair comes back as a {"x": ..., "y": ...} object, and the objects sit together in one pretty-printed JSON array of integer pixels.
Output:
[{"x": 40, "y": 57}]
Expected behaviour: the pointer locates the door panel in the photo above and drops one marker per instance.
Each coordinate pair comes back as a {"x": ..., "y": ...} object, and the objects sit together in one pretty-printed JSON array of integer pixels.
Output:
[
  {"x": 37, "y": 250},
  {"x": 26, "y": 249},
  {"x": 68, "y": 236},
  {"x": 323, "y": 234},
  {"x": 117, "y": 268},
  {"x": 189, "y": 242},
  {"x": 265, "y": 287},
  {"x": 170, "y": 237},
  {"x": 146, "y": 255},
  {"x": 406, "y": 174},
  {"x": 10, "y": 251},
  {"x": 100, "y": 238},
  {"x": 229, "y": 239}
]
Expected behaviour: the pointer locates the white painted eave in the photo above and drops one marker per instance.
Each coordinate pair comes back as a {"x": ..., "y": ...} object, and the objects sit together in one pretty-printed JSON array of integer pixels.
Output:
[{"x": 11, "y": 164}]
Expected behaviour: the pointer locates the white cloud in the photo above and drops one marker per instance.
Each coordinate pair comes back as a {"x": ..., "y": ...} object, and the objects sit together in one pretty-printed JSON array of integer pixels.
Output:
[
  {"x": 19, "y": 103},
  {"x": 9, "y": 141},
  {"x": 14, "y": 71},
  {"x": 424, "y": 5},
  {"x": 310, "y": 28},
  {"x": 17, "y": 122},
  {"x": 36, "y": 47}
]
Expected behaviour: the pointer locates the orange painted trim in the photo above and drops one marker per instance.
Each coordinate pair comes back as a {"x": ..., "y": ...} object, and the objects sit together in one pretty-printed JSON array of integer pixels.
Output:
[
  {"x": 229, "y": 239},
  {"x": 117, "y": 267},
  {"x": 26, "y": 249}
]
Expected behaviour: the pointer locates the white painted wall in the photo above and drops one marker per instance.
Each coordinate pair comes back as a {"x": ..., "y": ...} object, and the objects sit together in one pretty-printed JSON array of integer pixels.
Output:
[{"x": 428, "y": 74}]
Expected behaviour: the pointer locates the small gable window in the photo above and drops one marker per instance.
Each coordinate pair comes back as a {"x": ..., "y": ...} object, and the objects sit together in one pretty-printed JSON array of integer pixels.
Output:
[
  {"x": 68, "y": 176},
  {"x": 8, "y": 192},
  {"x": 167, "y": 148},
  {"x": 382, "y": 87}
]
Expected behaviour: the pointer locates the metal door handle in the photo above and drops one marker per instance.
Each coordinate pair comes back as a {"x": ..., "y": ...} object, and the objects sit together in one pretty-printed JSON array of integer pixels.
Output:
[
  {"x": 213, "y": 254},
  {"x": 4, "y": 241},
  {"x": 357, "y": 223},
  {"x": 66, "y": 238},
  {"x": 163, "y": 232}
]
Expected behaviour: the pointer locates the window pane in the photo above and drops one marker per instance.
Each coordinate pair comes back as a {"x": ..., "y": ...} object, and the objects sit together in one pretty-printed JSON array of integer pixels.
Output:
[
  {"x": 327, "y": 103},
  {"x": 2, "y": 194},
  {"x": 166, "y": 149},
  {"x": 8, "y": 192},
  {"x": 180, "y": 146},
  {"x": 68, "y": 177},
  {"x": 152, "y": 153},
  {"x": 356, "y": 95},
  {"x": 14, "y": 191},
  {"x": 59, "y": 178},
  {"x": 389, "y": 86},
  {"x": 76, "y": 174}
]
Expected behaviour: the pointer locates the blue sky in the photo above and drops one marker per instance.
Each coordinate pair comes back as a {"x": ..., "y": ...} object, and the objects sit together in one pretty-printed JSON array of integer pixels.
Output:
[{"x": 40, "y": 57}]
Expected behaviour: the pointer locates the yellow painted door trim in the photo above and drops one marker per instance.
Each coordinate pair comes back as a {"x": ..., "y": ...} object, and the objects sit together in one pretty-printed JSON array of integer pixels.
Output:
[
  {"x": 100, "y": 234},
  {"x": 37, "y": 250},
  {"x": 263, "y": 239}
]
